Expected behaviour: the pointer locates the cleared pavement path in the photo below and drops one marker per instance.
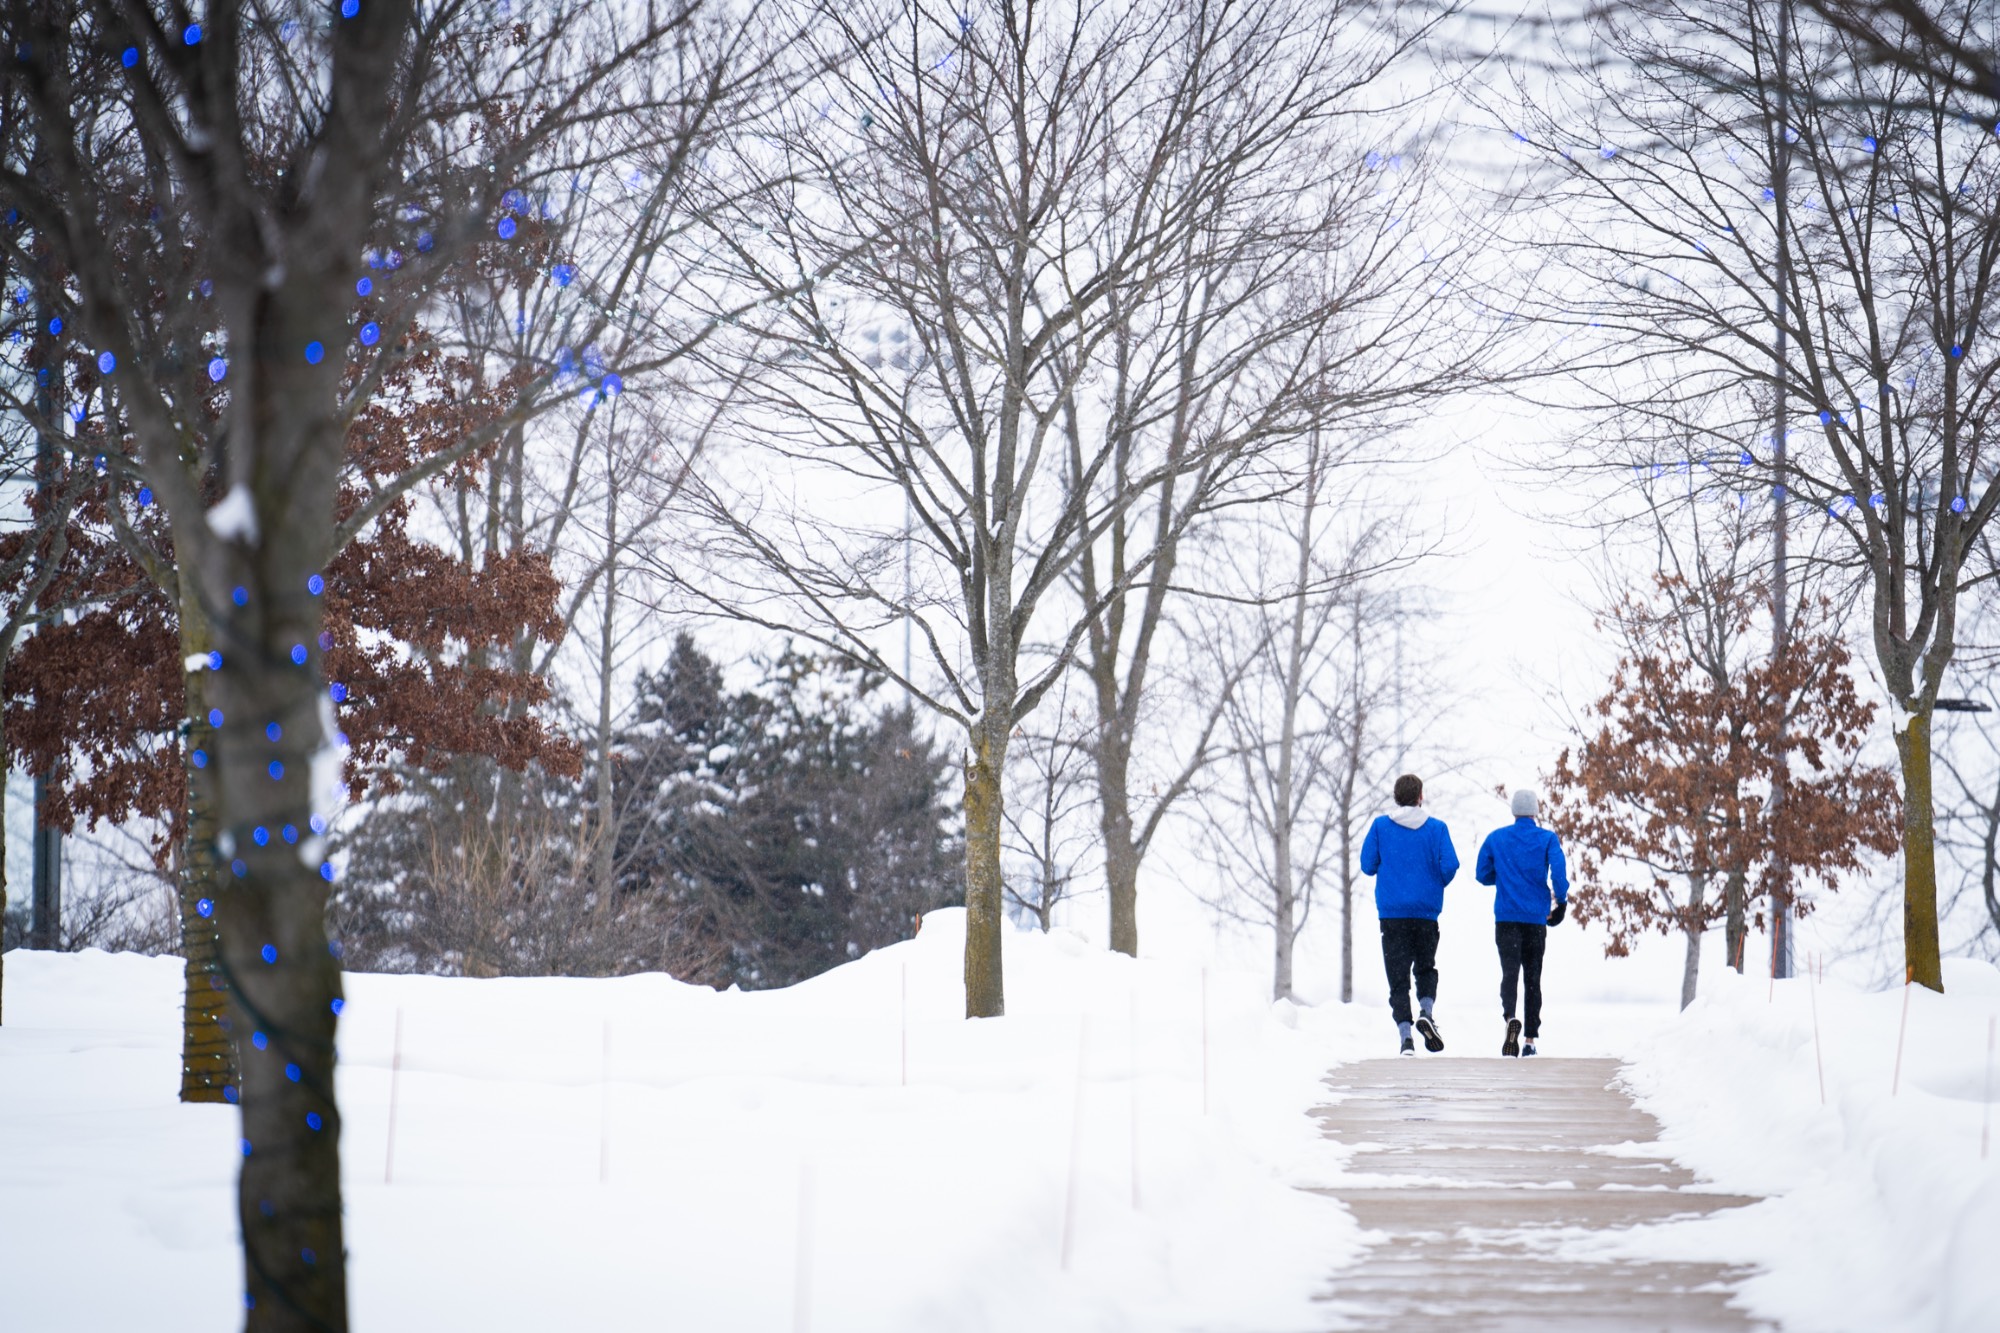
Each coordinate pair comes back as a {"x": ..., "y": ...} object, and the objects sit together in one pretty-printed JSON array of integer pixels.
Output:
[{"x": 1472, "y": 1168}]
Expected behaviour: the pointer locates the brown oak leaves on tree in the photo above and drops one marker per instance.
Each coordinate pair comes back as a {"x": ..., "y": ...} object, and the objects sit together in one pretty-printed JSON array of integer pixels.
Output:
[
  {"x": 1699, "y": 724},
  {"x": 420, "y": 638}
]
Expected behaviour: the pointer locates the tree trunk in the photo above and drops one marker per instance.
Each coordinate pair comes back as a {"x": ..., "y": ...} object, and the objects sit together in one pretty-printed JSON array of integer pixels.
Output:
[
  {"x": 1282, "y": 928},
  {"x": 208, "y": 1057},
  {"x": 284, "y": 984},
  {"x": 1920, "y": 923},
  {"x": 986, "y": 758},
  {"x": 1736, "y": 922},
  {"x": 607, "y": 834},
  {"x": 1121, "y": 857},
  {"x": 1691, "y": 971}
]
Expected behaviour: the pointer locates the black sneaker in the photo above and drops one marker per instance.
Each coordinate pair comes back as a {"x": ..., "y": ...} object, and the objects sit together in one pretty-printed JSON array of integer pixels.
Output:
[
  {"x": 1433, "y": 1039},
  {"x": 1528, "y": 1048},
  {"x": 1409, "y": 1047},
  {"x": 1512, "y": 1046}
]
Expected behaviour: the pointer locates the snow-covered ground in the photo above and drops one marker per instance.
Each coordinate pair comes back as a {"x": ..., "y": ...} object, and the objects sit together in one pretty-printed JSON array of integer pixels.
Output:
[
  {"x": 1885, "y": 1215},
  {"x": 739, "y": 1162},
  {"x": 835, "y": 1157}
]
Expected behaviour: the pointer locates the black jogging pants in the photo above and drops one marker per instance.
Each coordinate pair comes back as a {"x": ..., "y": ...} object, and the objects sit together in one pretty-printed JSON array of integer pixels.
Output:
[
  {"x": 1522, "y": 944},
  {"x": 1409, "y": 944}
]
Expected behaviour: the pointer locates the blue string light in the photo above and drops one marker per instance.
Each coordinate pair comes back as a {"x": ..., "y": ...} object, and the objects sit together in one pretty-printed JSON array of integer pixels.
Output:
[
  {"x": 317, "y": 823},
  {"x": 506, "y": 229},
  {"x": 292, "y": 1072},
  {"x": 614, "y": 385},
  {"x": 106, "y": 363},
  {"x": 315, "y": 585},
  {"x": 55, "y": 325},
  {"x": 215, "y": 661},
  {"x": 313, "y": 1122},
  {"x": 424, "y": 242},
  {"x": 298, "y": 654},
  {"x": 326, "y": 871},
  {"x": 315, "y": 353},
  {"x": 238, "y": 868},
  {"x": 205, "y": 908},
  {"x": 259, "y": 1040},
  {"x": 269, "y": 953},
  {"x": 191, "y": 34},
  {"x": 215, "y": 717},
  {"x": 229, "y": 1093},
  {"x": 564, "y": 274},
  {"x": 261, "y": 836},
  {"x": 217, "y": 368},
  {"x": 338, "y": 691},
  {"x": 338, "y": 1005},
  {"x": 246, "y": 1153},
  {"x": 349, "y": 8},
  {"x": 131, "y": 57},
  {"x": 365, "y": 286},
  {"x": 199, "y": 758},
  {"x": 272, "y": 731},
  {"x": 371, "y": 333},
  {"x": 290, "y": 833},
  {"x": 277, "y": 770},
  {"x": 326, "y": 641},
  {"x": 240, "y": 595}
]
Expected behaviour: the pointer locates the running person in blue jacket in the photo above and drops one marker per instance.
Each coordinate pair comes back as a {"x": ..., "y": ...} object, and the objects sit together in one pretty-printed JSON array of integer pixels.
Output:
[
  {"x": 1411, "y": 856},
  {"x": 1521, "y": 861}
]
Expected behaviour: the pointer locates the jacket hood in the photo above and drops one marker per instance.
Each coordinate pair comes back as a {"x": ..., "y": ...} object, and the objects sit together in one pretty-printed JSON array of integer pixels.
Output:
[{"x": 1409, "y": 816}]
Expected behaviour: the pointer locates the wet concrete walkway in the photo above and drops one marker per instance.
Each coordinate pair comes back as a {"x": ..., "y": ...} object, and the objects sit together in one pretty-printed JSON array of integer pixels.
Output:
[{"x": 1475, "y": 1171}]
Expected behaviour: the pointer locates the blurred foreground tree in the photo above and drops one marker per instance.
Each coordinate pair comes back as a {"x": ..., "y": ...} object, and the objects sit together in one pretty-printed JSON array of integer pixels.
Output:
[{"x": 212, "y": 190}]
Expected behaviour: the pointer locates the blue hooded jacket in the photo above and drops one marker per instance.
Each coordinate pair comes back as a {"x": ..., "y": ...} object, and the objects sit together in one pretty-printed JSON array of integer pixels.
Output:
[
  {"x": 1411, "y": 866},
  {"x": 1520, "y": 861}
]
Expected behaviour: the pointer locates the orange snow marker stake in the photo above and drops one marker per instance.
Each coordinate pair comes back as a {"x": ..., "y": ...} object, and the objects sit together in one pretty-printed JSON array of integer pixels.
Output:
[
  {"x": 1896, "y": 1081},
  {"x": 1075, "y": 1142},
  {"x": 1986, "y": 1103},
  {"x": 803, "y": 1258},
  {"x": 1819, "y": 1063},
  {"x": 604, "y": 1110},
  {"x": 1132, "y": 1059},
  {"x": 395, "y": 1076}
]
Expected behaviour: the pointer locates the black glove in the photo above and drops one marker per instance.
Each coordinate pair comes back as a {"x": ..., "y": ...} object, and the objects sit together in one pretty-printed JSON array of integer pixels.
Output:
[{"x": 1556, "y": 917}]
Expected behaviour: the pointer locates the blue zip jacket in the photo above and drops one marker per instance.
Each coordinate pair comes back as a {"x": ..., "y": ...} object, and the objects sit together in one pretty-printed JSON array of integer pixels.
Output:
[
  {"x": 1520, "y": 861},
  {"x": 1411, "y": 867}
]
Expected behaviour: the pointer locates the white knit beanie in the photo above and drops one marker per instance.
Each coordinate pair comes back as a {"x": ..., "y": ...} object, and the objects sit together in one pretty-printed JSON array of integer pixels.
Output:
[{"x": 1525, "y": 804}]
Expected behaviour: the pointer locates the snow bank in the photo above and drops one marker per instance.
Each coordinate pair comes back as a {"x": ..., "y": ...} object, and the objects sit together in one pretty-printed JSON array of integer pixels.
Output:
[
  {"x": 846, "y": 1154},
  {"x": 1887, "y": 1215}
]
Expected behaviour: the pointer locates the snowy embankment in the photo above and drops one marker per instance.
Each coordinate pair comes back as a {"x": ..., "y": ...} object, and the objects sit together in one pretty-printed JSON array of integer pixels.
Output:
[
  {"x": 1885, "y": 1213},
  {"x": 639, "y": 1152}
]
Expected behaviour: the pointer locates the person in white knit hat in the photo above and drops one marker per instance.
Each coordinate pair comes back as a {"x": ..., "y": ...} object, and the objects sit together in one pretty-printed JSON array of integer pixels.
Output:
[{"x": 1524, "y": 864}]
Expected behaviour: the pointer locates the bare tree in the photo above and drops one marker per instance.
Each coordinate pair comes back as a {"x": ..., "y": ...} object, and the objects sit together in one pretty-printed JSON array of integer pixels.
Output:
[
  {"x": 1275, "y": 319},
  {"x": 1048, "y": 800},
  {"x": 1011, "y": 189},
  {"x": 1854, "y": 287},
  {"x": 1301, "y": 682}
]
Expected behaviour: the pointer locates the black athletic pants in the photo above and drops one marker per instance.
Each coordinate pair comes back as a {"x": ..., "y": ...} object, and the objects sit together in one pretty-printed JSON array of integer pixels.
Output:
[
  {"x": 1409, "y": 944},
  {"x": 1521, "y": 946}
]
